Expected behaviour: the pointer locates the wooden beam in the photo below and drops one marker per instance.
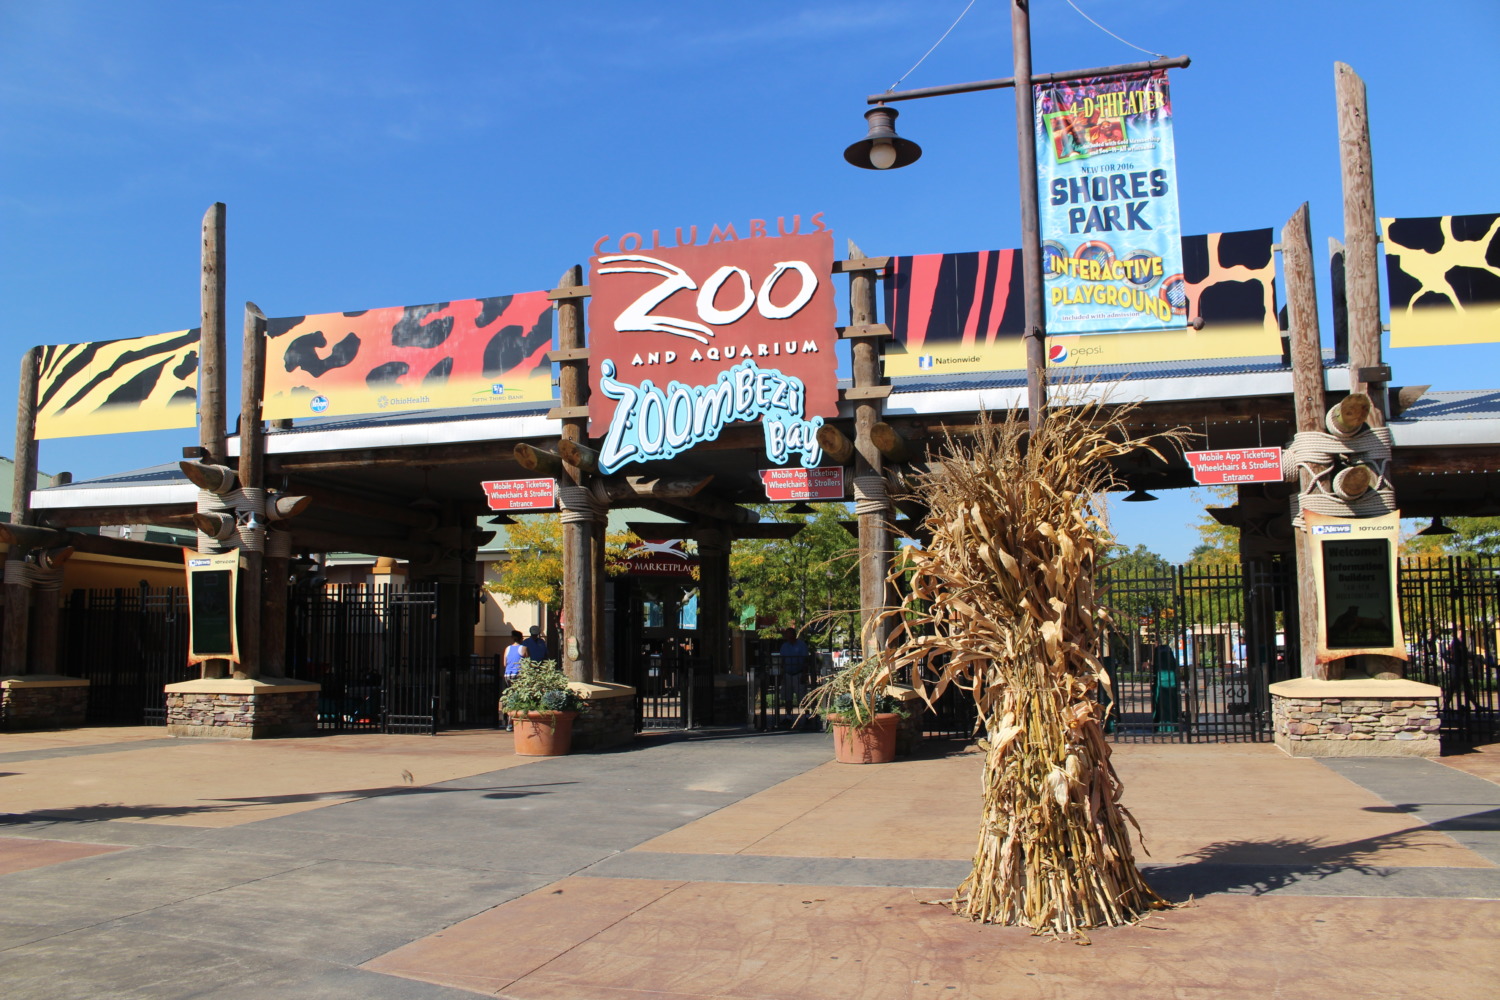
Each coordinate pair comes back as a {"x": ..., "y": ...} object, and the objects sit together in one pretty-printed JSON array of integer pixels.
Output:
[
  {"x": 891, "y": 444},
  {"x": 867, "y": 392},
  {"x": 417, "y": 552},
  {"x": 375, "y": 510},
  {"x": 571, "y": 354},
  {"x": 720, "y": 510},
  {"x": 835, "y": 445},
  {"x": 1362, "y": 263},
  {"x": 854, "y": 264},
  {"x": 578, "y": 454},
  {"x": 15, "y": 641},
  {"x": 854, "y": 332},
  {"x": 212, "y": 373},
  {"x": 538, "y": 460},
  {"x": 633, "y": 487},
  {"x": 252, "y": 469},
  {"x": 353, "y": 458},
  {"x": 568, "y": 293},
  {"x": 173, "y": 515}
]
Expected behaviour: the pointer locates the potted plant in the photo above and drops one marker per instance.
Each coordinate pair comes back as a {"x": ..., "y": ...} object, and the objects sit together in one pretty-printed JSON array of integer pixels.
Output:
[
  {"x": 863, "y": 718},
  {"x": 541, "y": 707}
]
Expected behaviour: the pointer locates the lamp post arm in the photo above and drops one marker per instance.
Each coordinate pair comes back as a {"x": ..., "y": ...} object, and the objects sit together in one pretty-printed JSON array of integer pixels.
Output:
[{"x": 1176, "y": 62}]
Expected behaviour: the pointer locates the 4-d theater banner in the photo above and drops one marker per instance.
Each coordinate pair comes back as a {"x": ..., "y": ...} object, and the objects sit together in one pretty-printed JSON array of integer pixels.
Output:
[
  {"x": 472, "y": 352},
  {"x": 1108, "y": 191},
  {"x": 686, "y": 340},
  {"x": 1443, "y": 276},
  {"x": 106, "y": 387}
]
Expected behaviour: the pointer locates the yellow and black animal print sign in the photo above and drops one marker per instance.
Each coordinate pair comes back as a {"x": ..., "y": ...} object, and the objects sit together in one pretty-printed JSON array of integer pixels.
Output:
[
  {"x": 111, "y": 386},
  {"x": 1443, "y": 278}
]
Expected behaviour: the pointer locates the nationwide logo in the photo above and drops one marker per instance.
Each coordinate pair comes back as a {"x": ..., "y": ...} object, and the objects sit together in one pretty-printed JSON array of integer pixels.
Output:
[
  {"x": 925, "y": 361},
  {"x": 318, "y": 404},
  {"x": 1057, "y": 354}
]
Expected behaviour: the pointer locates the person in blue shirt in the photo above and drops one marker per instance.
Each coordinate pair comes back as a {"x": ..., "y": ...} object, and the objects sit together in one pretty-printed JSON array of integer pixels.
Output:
[
  {"x": 536, "y": 646},
  {"x": 514, "y": 654}
]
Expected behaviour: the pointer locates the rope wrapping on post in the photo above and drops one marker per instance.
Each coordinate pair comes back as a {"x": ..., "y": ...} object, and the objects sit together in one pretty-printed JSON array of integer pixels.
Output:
[
  {"x": 1317, "y": 454},
  {"x": 871, "y": 495},
  {"x": 580, "y": 504},
  {"x": 278, "y": 545},
  {"x": 26, "y": 574},
  {"x": 248, "y": 501}
]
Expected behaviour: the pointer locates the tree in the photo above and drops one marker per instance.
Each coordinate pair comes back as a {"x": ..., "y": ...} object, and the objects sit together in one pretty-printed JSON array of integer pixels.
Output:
[
  {"x": 801, "y": 580},
  {"x": 1218, "y": 544},
  {"x": 1472, "y": 536},
  {"x": 534, "y": 569}
]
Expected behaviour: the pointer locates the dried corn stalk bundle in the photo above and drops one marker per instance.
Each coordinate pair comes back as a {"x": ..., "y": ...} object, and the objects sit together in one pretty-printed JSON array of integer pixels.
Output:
[{"x": 1002, "y": 604}]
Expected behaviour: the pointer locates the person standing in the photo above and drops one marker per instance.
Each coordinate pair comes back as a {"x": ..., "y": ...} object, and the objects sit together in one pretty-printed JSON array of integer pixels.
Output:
[
  {"x": 793, "y": 653},
  {"x": 536, "y": 646},
  {"x": 514, "y": 654}
]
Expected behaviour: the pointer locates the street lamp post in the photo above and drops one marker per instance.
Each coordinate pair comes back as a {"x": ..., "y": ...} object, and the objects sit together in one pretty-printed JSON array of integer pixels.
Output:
[{"x": 883, "y": 149}]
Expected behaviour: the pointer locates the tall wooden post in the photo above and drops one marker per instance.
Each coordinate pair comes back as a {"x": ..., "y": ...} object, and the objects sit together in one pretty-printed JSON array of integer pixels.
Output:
[
  {"x": 252, "y": 474},
  {"x": 211, "y": 402},
  {"x": 580, "y": 645},
  {"x": 1031, "y": 232},
  {"x": 13, "y": 644},
  {"x": 1309, "y": 406},
  {"x": 1361, "y": 274},
  {"x": 871, "y": 507}
]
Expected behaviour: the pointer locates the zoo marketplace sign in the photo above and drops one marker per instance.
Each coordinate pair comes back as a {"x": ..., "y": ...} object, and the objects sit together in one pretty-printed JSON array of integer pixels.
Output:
[
  {"x": 1107, "y": 179},
  {"x": 685, "y": 340}
]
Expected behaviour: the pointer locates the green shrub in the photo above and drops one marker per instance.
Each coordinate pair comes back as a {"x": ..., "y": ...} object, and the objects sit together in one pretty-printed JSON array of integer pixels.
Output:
[{"x": 540, "y": 687}]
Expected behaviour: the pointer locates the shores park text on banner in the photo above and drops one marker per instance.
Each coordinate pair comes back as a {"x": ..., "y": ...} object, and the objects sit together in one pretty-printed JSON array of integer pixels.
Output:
[{"x": 1107, "y": 179}]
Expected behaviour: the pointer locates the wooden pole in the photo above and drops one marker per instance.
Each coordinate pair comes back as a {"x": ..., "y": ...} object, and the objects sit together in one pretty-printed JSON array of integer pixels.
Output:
[
  {"x": 1361, "y": 274},
  {"x": 1031, "y": 233},
  {"x": 580, "y": 547},
  {"x": 874, "y": 534},
  {"x": 1310, "y": 407},
  {"x": 212, "y": 414},
  {"x": 211, "y": 408},
  {"x": 252, "y": 476},
  {"x": 14, "y": 643}
]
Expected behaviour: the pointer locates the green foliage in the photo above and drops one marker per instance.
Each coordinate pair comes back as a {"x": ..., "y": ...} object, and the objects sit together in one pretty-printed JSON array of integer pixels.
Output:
[
  {"x": 540, "y": 687},
  {"x": 534, "y": 569},
  {"x": 802, "y": 579},
  {"x": 1472, "y": 536},
  {"x": 1218, "y": 544},
  {"x": 855, "y": 694}
]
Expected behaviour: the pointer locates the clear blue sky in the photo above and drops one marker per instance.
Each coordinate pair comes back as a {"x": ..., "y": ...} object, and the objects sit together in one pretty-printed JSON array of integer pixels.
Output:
[{"x": 385, "y": 153}]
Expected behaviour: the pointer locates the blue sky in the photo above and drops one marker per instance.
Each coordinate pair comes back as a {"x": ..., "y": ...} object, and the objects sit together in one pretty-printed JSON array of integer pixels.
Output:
[{"x": 385, "y": 153}]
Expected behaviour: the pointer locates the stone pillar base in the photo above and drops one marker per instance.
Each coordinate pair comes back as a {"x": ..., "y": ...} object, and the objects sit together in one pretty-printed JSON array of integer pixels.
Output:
[
  {"x": 42, "y": 701},
  {"x": 909, "y": 731},
  {"x": 243, "y": 709},
  {"x": 1356, "y": 718},
  {"x": 731, "y": 700},
  {"x": 608, "y": 716}
]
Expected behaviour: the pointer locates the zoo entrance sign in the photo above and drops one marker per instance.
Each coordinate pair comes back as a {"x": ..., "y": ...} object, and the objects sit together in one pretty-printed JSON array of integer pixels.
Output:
[{"x": 684, "y": 340}]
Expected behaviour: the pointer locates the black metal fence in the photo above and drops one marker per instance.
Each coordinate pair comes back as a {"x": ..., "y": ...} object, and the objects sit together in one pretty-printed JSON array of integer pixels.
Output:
[
  {"x": 1190, "y": 651},
  {"x": 1450, "y": 612},
  {"x": 128, "y": 644}
]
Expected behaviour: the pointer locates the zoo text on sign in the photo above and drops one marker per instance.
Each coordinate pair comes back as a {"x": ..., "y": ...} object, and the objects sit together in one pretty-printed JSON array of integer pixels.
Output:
[
  {"x": 1236, "y": 465},
  {"x": 521, "y": 494},
  {"x": 823, "y": 483}
]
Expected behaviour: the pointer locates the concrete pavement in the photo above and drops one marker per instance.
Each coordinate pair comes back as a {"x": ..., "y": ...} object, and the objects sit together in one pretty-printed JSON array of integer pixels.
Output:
[{"x": 720, "y": 865}]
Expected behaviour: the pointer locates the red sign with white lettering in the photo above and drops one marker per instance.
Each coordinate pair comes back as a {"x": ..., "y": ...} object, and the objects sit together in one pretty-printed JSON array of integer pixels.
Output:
[
  {"x": 824, "y": 483},
  {"x": 1236, "y": 465},
  {"x": 521, "y": 494}
]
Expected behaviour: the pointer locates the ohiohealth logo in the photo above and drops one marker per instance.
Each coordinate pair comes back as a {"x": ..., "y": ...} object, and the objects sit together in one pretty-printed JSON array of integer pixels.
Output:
[
  {"x": 1057, "y": 354},
  {"x": 318, "y": 404},
  {"x": 925, "y": 361}
]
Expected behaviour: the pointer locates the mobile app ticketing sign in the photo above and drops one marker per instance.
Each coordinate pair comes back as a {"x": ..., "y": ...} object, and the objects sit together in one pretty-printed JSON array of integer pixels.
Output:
[
  {"x": 521, "y": 494},
  {"x": 823, "y": 483},
  {"x": 1236, "y": 465},
  {"x": 687, "y": 339},
  {"x": 1112, "y": 239}
]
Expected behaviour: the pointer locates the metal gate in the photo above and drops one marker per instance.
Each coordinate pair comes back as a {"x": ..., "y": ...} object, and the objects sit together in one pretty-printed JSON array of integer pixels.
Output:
[
  {"x": 1190, "y": 651},
  {"x": 1450, "y": 612},
  {"x": 373, "y": 648},
  {"x": 128, "y": 644}
]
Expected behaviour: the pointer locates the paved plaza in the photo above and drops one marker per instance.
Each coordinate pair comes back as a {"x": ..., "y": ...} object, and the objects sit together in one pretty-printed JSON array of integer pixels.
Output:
[{"x": 713, "y": 865}]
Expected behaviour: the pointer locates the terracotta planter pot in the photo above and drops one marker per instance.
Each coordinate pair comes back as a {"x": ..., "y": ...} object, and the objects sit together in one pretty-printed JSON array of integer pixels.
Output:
[
  {"x": 874, "y": 743},
  {"x": 543, "y": 734}
]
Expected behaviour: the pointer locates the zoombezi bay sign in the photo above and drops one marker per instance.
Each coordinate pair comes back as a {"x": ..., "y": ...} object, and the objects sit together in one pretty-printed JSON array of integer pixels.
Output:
[{"x": 688, "y": 339}]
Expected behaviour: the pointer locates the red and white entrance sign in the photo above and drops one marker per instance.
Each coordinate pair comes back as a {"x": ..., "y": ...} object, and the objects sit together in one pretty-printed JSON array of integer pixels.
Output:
[
  {"x": 1236, "y": 465},
  {"x": 521, "y": 494},
  {"x": 823, "y": 483}
]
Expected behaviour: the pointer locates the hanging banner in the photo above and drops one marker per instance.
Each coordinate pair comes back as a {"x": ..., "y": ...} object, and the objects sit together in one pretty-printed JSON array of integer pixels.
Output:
[
  {"x": 472, "y": 352},
  {"x": 958, "y": 313},
  {"x": 1354, "y": 566},
  {"x": 1443, "y": 279},
  {"x": 111, "y": 386},
  {"x": 686, "y": 340},
  {"x": 1107, "y": 185}
]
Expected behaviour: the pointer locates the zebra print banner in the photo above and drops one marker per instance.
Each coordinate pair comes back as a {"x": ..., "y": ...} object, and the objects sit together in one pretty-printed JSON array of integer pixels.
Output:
[
  {"x": 962, "y": 312},
  {"x": 472, "y": 352},
  {"x": 113, "y": 386},
  {"x": 1443, "y": 278}
]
